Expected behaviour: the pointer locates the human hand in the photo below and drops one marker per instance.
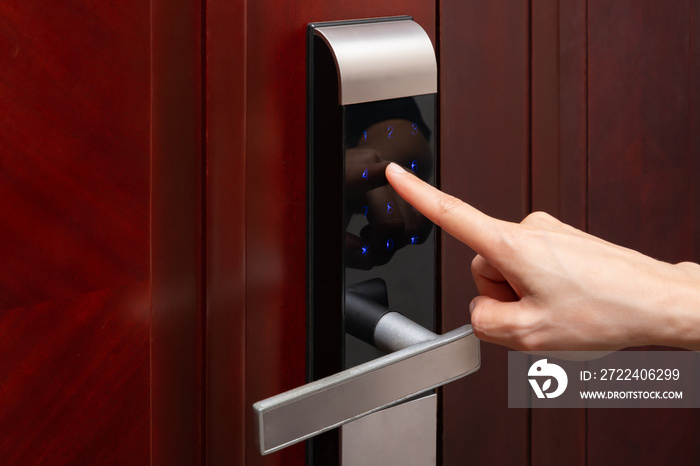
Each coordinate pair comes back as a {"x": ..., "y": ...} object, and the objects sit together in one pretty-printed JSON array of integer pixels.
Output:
[{"x": 546, "y": 286}]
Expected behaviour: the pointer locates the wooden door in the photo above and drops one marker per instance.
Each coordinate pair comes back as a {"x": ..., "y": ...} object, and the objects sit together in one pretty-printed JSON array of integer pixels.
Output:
[
  {"x": 153, "y": 205},
  {"x": 626, "y": 134},
  {"x": 74, "y": 207},
  {"x": 153, "y": 282},
  {"x": 586, "y": 110},
  {"x": 101, "y": 323}
]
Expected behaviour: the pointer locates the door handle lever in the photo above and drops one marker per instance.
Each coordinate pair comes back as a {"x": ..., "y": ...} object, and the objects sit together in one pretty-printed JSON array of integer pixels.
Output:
[{"x": 319, "y": 406}]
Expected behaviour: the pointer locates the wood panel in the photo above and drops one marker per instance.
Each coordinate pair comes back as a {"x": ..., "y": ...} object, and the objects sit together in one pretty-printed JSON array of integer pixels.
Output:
[
  {"x": 74, "y": 209},
  {"x": 643, "y": 168},
  {"x": 225, "y": 231},
  {"x": 74, "y": 175},
  {"x": 639, "y": 114},
  {"x": 641, "y": 186},
  {"x": 177, "y": 234},
  {"x": 559, "y": 106},
  {"x": 484, "y": 99},
  {"x": 75, "y": 378},
  {"x": 276, "y": 190},
  {"x": 559, "y": 175},
  {"x": 695, "y": 121}
]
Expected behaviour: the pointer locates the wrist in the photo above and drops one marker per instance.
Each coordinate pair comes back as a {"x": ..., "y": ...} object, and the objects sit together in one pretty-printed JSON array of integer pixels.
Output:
[{"x": 677, "y": 314}]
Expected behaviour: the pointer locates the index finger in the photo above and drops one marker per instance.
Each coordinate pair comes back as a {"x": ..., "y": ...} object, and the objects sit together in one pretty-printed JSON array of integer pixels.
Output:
[{"x": 469, "y": 225}]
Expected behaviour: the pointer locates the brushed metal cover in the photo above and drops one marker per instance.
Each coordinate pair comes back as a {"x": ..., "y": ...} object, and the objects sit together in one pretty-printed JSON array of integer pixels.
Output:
[
  {"x": 405, "y": 434},
  {"x": 381, "y": 60}
]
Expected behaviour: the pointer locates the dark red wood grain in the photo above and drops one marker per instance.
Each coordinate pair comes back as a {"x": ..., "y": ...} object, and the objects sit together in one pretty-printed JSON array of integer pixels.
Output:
[
  {"x": 695, "y": 122},
  {"x": 639, "y": 113},
  {"x": 642, "y": 170},
  {"x": 225, "y": 233},
  {"x": 559, "y": 176},
  {"x": 74, "y": 210},
  {"x": 177, "y": 234},
  {"x": 626, "y": 107},
  {"x": 559, "y": 105},
  {"x": 484, "y": 159},
  {"x": 75, "y": 378},
  {"x": 74, "y": 135}
]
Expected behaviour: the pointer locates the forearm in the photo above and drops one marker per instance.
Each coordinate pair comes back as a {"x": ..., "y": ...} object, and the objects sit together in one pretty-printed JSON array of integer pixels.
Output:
[{"x": 678, "y": 319}]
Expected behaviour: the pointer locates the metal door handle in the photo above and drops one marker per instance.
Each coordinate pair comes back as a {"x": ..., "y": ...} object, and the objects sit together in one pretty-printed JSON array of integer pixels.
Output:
[{"x": 319, "y": 406}]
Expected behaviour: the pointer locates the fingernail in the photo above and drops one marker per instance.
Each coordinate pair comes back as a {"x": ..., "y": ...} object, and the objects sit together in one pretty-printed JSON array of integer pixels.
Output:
[
  {"x": 395, "y": 168},
  {"x": 472, "y": 305}
]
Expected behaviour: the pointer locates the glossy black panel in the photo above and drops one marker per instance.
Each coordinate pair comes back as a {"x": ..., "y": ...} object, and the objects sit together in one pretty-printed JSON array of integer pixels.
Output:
[
  {"x": 325, "y": 240},
  {"x": 386, "y": 238}
]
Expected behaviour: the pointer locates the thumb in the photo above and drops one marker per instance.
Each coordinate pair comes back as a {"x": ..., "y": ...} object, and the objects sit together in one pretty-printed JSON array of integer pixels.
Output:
[{"x": 495, "y": 321}]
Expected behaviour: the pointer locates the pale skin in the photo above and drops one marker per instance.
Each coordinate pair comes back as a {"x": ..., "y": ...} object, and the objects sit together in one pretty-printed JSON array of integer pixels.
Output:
[{"x": 546, "y": 286}]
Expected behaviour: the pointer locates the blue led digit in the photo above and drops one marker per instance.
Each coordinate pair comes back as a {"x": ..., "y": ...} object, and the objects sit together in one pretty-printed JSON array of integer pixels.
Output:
[
  {"x": 365, "y": 174},
  {"x": 366, "y": 208},
  {"x": 390, "y": 129},
  {"x": 364, "y": 250},
  {"x": 390, "y": 208},
  {"x": 364, "y": 133},
  {"x": 390, "y": 245},
  {"x": 414, "y": 239},
  {"x": 414, "y": 166},
  {"x": 414, "y": 128}
]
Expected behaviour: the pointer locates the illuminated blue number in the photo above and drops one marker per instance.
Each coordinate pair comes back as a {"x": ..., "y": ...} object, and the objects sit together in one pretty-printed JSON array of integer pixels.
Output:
[
  {"x": 366, "y": 207},
  {"x": 365, "y": 174},
  {"x": 364, "y": 133},
  {"x": 389, "y": 244},
  {"x": 364, "y": 250},
  {"x": 390, "y": 208},
  {"x": 414, "y": 166},
  {"x": 414, "y": 239},
  {"x": 391, "y": 132},
  {"x": 414, "y": 128}
]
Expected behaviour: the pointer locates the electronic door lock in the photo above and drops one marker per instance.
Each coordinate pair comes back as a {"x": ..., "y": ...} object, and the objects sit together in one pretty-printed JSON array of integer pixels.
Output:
[
  {"x": 372, "y": 88},
  {"x": 372, "y": 97}
]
